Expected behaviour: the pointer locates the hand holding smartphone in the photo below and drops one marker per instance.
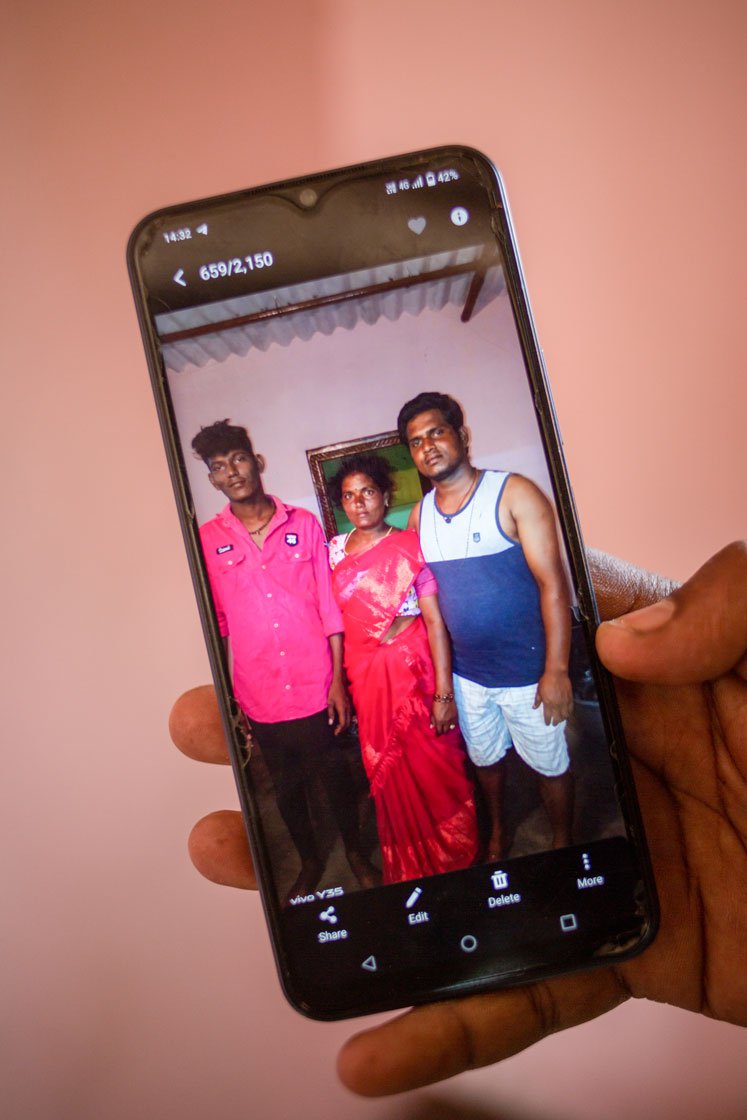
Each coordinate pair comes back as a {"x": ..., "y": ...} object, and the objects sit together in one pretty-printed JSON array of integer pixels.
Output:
[{"x": 377, "y": 514}]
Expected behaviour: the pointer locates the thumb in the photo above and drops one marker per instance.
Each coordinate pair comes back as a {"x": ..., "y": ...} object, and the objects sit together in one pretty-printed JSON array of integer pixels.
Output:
[{"x": 697, "y": 633}]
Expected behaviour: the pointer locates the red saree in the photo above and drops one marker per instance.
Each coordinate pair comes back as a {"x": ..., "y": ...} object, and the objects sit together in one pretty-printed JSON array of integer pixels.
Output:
[{"x": 424, "y": 801}]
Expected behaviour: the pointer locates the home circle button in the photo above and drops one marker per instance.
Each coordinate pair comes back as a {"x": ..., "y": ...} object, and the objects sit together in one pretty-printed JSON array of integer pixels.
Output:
[{"x": 468, "y": 944}]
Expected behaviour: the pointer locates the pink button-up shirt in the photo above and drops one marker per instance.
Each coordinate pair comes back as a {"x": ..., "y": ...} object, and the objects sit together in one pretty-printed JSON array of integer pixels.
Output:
[{"x": 275, "y": 604}]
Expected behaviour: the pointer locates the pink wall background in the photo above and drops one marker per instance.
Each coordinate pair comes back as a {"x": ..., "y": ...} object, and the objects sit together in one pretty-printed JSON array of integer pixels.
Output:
[{"x": 131, "y": 987}]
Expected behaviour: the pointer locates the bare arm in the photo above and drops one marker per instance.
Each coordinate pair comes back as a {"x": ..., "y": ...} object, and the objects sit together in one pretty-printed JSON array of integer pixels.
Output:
[
  {"x": 338, "y": 701},
  {"x": 529, "y": 519},
  {"x": 413, "y": 521},
  {"x": 443, "y": 712}
]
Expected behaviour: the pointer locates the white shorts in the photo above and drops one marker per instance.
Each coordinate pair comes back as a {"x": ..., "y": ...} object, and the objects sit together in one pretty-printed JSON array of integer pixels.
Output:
[{"x": 491, "y": 719}]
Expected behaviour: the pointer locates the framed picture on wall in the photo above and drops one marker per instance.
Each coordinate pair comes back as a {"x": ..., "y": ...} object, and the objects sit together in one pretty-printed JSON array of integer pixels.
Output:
[{"x": 409, "y": 485}]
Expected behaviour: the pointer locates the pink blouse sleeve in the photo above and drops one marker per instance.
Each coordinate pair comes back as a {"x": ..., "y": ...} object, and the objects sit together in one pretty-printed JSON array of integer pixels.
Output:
[{"x": 425, "y": 583}]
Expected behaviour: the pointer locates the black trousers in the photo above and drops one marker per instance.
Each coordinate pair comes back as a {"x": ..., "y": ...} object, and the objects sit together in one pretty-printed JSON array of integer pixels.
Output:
[{"x": 296, "y": 751}]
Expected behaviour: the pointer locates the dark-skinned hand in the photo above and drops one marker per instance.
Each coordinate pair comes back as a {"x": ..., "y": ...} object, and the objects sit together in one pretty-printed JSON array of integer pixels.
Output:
[{"x": 681, "y": 680}]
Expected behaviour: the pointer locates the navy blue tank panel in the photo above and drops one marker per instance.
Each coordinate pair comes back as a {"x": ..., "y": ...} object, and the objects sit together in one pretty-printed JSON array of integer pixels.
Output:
[{"x": 491, "y": 607}]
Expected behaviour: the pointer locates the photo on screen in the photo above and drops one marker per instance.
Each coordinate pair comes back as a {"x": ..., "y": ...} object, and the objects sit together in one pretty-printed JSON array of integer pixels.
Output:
[{"x": 323, "y": 368}]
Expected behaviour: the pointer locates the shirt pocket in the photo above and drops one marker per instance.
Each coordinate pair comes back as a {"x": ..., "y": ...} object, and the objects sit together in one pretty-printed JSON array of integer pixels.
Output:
[
  {"x": 295, "y": 554},
  {"x": 226, "y": 563},
  {"x": 294, "y": 570}
]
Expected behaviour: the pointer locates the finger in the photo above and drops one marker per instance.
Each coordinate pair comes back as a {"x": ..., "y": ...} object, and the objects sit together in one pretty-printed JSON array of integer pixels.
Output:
[
  {"x": 432, "y": 1043},
  {"x": 337, "y": 717},
  {"x": 219, "y": 850},
  {"x": 621, "y": 587},
  {"x": 195, "y": 725},
  {"x": 547, "y": 709},
  {"x": 697, "y": 633}
]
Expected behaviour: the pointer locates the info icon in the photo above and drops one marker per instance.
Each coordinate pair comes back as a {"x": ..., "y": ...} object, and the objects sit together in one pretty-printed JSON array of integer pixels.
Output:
[{"x": 459, "y": 216}]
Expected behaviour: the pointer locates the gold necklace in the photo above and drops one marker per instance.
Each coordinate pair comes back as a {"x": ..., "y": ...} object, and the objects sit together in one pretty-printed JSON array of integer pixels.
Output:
[
  {"x": 448, "y": 516},
  {"x": 256, "y": 532},
  {"x": 383, "y": 537},
  {"x": 448, "y": 522}
]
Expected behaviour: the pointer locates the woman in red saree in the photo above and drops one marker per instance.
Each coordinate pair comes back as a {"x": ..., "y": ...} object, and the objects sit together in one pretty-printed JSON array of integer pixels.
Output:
[{"x": 398, "y": 661}]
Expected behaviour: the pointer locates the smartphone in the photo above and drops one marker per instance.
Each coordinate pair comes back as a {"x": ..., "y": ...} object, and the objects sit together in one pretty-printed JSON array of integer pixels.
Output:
[{"x": 392, "y": 584}]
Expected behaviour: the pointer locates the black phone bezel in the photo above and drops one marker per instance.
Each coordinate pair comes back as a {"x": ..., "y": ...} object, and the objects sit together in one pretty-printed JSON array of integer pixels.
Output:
[{"x": 428, "y": 984}]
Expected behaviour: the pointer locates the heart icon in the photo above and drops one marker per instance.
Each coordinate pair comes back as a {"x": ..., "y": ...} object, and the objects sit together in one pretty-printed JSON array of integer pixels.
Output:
[{"x": 417, "y": 225}]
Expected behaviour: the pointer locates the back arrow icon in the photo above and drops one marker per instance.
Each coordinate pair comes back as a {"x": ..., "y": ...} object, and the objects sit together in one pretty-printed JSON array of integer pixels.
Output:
[
  {"x": 179, "y": 278},
  {"x": 369, "y": 964}
]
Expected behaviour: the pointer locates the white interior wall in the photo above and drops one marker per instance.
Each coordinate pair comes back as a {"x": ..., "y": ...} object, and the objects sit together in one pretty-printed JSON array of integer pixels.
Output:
[{"x": 352, "y": 383}]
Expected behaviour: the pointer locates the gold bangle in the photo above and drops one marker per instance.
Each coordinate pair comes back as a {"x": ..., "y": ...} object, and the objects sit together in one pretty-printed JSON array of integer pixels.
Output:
[{"x": 443, "y": 698}]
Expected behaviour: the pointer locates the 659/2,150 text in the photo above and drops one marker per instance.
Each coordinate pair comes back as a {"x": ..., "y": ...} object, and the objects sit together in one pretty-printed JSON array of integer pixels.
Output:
[{"x": 236, "y": 266}]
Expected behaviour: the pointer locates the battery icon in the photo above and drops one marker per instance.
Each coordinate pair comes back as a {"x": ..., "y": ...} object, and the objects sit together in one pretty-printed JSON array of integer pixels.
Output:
[{"x": 413, "y": 898}]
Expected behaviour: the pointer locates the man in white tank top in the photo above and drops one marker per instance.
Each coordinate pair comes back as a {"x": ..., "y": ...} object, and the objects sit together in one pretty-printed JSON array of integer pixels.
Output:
[{"x": 490, "y": 539}]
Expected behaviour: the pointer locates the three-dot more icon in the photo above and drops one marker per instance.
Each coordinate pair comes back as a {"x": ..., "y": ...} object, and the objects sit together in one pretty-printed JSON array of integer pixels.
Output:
[{"x": 329, "y": 915}]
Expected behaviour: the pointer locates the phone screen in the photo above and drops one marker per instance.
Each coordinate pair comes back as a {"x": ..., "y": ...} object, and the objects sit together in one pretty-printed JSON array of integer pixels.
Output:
[{"x": 463, "y": 831}]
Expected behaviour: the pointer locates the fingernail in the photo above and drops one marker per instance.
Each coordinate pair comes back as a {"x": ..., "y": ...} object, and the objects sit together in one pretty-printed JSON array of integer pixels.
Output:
[{"x": 648, "y": 619}]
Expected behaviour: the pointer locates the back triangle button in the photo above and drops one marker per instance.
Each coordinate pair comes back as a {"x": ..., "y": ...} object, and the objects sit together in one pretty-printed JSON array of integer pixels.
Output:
[{"x": 369, "y": 964}]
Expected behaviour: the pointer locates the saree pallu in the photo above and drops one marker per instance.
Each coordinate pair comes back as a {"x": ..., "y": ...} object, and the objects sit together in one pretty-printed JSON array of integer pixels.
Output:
[{"x": 423, "y": 798}]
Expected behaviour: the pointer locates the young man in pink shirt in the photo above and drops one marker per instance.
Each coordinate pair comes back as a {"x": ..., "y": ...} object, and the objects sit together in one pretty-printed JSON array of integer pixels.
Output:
[{"x": 270, "y": 580}]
